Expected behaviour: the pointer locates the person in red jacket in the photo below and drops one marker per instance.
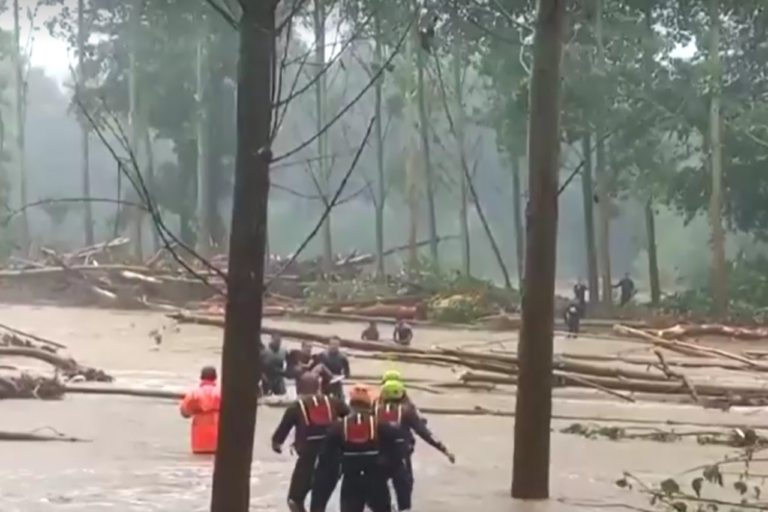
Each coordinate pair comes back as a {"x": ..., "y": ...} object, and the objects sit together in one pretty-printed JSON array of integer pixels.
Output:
[{"x": 202, "y": 404}]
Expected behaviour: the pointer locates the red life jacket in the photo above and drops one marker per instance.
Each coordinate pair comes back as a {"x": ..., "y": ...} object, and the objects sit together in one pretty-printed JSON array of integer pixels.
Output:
[
  {"x": 360, "y": 435},
  {"x": 317, "y": 413},
  {"x": 389, "y": 413}
]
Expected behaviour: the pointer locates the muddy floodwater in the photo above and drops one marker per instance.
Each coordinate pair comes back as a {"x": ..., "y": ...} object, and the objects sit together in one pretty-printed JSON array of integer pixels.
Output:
[{"x": 137, "y": 457}]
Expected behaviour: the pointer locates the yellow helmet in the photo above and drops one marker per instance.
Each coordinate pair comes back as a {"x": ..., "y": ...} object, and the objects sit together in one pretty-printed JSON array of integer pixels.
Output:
[
  {"x": 391, "y": 375},
  {"x": 392, "y": 390}
]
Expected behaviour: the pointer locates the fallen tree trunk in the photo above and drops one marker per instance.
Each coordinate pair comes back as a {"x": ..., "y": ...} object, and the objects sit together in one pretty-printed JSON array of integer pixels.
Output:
[
  {"x": 692, "y": 349},
  {"x": 67, "y": 366},
  {"x": 638, "y": 386},
  {"x": 31, "y": 436},
  {"x": 682, "y": 331}
]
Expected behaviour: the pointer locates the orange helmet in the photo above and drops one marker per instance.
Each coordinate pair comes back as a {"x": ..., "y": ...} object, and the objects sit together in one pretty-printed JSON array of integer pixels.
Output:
[{"x": 360, "y": 394}]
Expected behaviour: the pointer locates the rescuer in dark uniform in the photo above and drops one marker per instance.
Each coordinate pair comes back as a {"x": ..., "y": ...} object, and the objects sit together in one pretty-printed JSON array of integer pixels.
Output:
[
  {"x": 367, "y": 452},
  {"x": 309, "y": 416},
  {"x": 572, "y": 319},
  {"x": 392, "y": 408}
]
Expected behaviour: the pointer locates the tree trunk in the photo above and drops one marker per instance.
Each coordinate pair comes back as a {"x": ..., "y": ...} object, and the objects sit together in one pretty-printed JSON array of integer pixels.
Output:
[
  {"x": 653, "y": 262},
  {"x": 530, "y": 473},
  {"x": 203, "y": 157},
  {"x": 240, "y": 359},
  {"x": 719, "y": 279},
  {"x": 82, "y": 37},
  {"x": 588, "y": 198},
  {"x": 187, "y": 162},
  {"x": 322, "y": 149},
  {"x": 460, "y": 116},
  {"x": 517, "y": 195},
  {"x": 603, "y": 197},
  {"x": 424, "y": 124},
  {"x": 379, "y": 134},
  {"x": 135, "y": 127},
  {"x": 411, "y": 180},
  {"x": 19, "y": 103},
  {"x": 151, "y": 182}
]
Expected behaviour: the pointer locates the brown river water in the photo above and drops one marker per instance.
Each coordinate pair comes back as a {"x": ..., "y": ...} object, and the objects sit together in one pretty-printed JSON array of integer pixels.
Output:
[{"x": 137, "y": 459}]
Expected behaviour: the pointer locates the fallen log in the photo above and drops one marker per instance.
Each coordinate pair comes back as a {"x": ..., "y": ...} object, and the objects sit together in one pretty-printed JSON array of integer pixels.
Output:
[
  {"x": 638, "y": 386},
  {"x": 68, "y": 367},
  {"x": 31, "y": 436},
  {"x": 742, "y": 422},
  {"x": 682, "y": 331},
  {"x": 690, "y": 348},
  {"x": 22, "y": 385},
  {"x": 489, "y": 362},
  {"x": 32, "y": 337}
]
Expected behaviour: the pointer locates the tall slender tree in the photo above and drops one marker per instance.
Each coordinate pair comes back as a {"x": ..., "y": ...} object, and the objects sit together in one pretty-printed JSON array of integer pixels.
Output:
[
  {"x": 20, "y": 110},
  {"x": 530, "y": 473},
  {"x": 82, "y": 39},
  {"x": 241, "y": 370}
]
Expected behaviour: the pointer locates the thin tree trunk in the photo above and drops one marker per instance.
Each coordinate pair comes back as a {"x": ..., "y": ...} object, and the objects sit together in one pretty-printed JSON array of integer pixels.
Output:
[
  {"x": 603, "y": 198},
  {"x": 530, "y": 472},
  {"x": 20, "y": 100},
  {"x": 379, "y": 134},
  {"x": 240, "y": 359},
  {"x": 653, "y": 262},
  {"x": 203, "y": 158},
  {"x": 135, "y": 126},
  {"x": 650, "y": 218},
  {"x": 82, "y": 38},
  {"x": 411, "y": 163},
  {"x": 426, "y": 157},
  {"x": 588, "y": 198},
  {"x": 151, "y": 183},
  {"x": 719, "y": 278},
  {"x": 466, "y": 253},
  {"x": 322, "y": 149},
  {"x": 517, "y": 195}
]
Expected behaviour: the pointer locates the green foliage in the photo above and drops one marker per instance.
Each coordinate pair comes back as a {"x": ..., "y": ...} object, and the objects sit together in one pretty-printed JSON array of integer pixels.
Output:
[
  {"x": 747, "y": 292},
  {"x": 713, "y": 489}
]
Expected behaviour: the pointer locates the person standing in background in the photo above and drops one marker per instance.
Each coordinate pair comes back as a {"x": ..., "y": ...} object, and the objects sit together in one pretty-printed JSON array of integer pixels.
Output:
[{"x": 202, "y": 404}]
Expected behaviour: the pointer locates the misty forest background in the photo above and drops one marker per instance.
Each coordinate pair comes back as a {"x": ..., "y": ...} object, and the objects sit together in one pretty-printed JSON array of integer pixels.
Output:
[{"x": 645, "y": 96}]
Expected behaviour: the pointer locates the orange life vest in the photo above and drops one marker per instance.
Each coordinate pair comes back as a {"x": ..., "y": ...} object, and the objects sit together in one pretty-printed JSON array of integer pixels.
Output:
[{"x": 203, "y": 404}]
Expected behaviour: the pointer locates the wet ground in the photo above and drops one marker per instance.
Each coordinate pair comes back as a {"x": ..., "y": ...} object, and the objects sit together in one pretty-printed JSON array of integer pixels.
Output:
[{"x": 137, "y": 458}]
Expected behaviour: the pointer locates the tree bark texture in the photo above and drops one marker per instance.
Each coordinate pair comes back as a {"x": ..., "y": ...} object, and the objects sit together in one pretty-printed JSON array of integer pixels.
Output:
[
  {"x": 530, "y": 472},
  {"x": 241, "y": 369}
]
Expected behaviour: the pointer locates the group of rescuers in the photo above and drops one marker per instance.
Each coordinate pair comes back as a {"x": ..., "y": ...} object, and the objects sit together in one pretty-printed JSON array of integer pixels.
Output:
[{"x": 366, "y": 441}]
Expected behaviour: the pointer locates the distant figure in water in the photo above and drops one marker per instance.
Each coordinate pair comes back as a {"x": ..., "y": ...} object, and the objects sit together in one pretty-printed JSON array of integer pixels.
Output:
[
  {"x": 403, "y": 334},
  {"x": 572, "y": 319},
  {"x": 371, "y": 333},
  {"x": 626, "y": 288},
  {"x": 580, "y": 294},
  {"x": 335, "y": 368},
  {"x": 273, "y": 361},
  {"x": 300, "y": 361},
  {"x": 202, "y": 405}
]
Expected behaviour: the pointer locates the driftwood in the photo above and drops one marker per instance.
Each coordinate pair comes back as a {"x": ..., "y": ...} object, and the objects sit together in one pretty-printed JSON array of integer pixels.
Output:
[
  {"x": 22, "y": 385},
  {"x": 743, "y": 422},
  {"x": 682, "y": 331},
  {"x": 32, "y": 436},
  {"x": 68, "y": 367}
]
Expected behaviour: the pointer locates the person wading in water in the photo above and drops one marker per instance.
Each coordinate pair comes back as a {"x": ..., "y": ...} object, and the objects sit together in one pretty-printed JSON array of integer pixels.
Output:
[{"x": 202, "y": 404}]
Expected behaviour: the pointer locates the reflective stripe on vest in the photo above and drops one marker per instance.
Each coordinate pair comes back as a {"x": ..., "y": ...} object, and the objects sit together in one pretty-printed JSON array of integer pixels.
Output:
[
  {"x": 307, "y": 416},
  {"x": 359, "y": 431},
  {"x": 391, "y": 413}
]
